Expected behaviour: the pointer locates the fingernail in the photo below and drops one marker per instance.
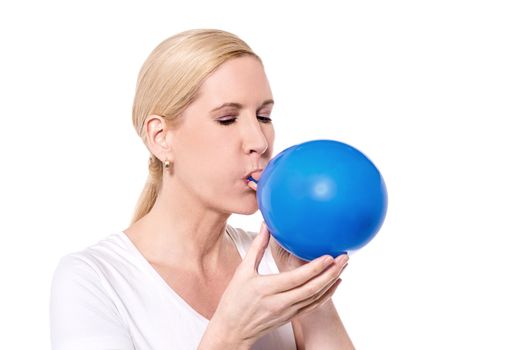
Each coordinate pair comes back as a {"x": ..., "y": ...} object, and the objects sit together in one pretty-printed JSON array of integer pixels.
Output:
[
  {"x": 328, "y": 260},
  {"x": 253, "y": 185},
  {"x": 342, "y": 258},
  {"x": 344, "y": 268}
]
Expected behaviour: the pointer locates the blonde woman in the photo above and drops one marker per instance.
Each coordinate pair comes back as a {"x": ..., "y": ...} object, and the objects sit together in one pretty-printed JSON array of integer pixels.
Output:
[{"x": 180, "y": 277}]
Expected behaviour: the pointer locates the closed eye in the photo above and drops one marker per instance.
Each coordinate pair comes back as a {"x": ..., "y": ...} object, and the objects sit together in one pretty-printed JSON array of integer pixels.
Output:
[{"x": 263, "y": 119}]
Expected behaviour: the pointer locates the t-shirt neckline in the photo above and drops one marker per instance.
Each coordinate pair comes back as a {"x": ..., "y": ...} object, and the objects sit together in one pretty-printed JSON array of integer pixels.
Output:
[{"x": 162, "y": 282}]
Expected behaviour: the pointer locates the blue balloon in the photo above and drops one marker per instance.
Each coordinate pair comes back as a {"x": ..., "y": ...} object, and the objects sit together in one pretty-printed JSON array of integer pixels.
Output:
[{"x": 322, "y": 197}]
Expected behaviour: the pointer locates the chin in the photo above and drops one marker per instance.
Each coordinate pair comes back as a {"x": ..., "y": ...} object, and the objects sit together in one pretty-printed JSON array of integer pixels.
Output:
[
  {"x": 246, "y": 204},
  {"x": 246, "y": 210},
  {"x": 246, "y": 207}
]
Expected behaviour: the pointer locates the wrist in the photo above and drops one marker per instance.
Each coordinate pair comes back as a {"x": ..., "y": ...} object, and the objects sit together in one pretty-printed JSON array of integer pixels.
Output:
[
  {"x": 316, "y": 335},
  {"x": 323, "y": 313},
  {"x": 217, "y": 338}
]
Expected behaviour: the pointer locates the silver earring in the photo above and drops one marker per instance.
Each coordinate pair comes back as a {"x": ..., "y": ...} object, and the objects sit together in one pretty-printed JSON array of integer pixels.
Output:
[{"x": 167, "y": 164}]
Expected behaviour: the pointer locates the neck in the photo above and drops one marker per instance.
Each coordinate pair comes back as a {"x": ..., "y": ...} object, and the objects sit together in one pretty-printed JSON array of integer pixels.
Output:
[{"x": 181, "y": 229}]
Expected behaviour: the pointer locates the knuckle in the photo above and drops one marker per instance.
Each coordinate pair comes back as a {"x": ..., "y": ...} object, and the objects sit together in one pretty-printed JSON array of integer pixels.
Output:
[
  {"x": 318, "y": 268},
  {"x": 297, "y": 279},
  {"x": 318, "y": 295},
  {"x": 275, "y": 308},
  {"x": 243, "y": 270},
  {"x": 311, "y": 289},
  {"x": 259, "y": 287}
]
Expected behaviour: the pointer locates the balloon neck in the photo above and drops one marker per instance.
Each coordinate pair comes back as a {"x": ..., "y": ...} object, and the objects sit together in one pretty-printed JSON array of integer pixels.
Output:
[{"x": 250, "y": 178}]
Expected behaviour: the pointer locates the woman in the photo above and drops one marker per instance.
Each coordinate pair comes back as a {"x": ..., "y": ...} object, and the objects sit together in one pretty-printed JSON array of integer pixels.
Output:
[{"x": 180, "y": 277}]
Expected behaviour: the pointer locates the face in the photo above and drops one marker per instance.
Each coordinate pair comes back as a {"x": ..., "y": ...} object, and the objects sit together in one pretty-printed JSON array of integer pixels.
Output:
[{"x": 225, "y": 133}]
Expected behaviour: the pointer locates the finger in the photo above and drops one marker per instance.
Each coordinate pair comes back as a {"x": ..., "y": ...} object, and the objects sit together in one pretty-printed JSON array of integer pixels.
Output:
[
  {"x": 311, "y": 303},
  {"x": 292, "y": 279},
  {"x": 276, "y": 248},
  {"x": 341, "y": 264},
  {"x": 257, "y": 249},
  {"x": 310, "y": 291},
  {"x": 316, "y": 296},
  {"x": 305, "y": 309},
  {"x": 319, "y": 282}
]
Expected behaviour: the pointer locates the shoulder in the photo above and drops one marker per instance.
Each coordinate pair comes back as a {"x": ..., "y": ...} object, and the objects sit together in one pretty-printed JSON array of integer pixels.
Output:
[
  {"x": 105, "y": 251},
  {"x": 72, "y": 266},
  {"x": 75, "y": 276},
  {"x": 81, "y": 261},
  {"x": 83, "y": 315},
  {"x": 77, "y": 283},
  {"x": 89, "y": 265}
]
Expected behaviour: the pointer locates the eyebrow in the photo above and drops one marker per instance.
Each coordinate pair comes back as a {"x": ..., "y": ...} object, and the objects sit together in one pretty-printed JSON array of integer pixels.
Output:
[{"x": 239, "y": 106}]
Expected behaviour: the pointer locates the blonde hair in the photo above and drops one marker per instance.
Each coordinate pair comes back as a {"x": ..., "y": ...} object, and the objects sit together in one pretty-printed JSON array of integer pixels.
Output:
[{"x": 169, "y": 81}]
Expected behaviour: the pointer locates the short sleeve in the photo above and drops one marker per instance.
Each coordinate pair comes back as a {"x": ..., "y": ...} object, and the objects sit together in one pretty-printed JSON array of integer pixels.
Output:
[{"x": 82, "y": 315}]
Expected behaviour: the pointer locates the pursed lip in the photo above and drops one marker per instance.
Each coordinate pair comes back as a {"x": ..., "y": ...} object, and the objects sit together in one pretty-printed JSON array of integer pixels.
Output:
[{"x": 257, "y": 172}]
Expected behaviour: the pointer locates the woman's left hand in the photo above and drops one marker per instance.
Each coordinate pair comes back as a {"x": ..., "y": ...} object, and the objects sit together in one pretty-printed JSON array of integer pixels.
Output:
[{"x": 286, "y": 261}]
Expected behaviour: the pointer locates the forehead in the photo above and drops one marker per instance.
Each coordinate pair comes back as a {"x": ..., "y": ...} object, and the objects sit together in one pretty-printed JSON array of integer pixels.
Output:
[{"x": 240, "y": 79}]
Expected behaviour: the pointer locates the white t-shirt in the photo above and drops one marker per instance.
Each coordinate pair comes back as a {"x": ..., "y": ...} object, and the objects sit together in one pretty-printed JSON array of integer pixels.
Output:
[{"x": 108, "y": 296}]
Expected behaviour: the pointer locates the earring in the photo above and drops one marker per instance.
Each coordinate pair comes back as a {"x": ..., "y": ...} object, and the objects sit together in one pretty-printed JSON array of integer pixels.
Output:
[{"x": 167, "y": 164}]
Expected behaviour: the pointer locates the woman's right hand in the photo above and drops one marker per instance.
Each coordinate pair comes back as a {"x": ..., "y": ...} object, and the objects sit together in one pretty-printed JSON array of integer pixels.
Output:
[{"x": 253, "y": 304}]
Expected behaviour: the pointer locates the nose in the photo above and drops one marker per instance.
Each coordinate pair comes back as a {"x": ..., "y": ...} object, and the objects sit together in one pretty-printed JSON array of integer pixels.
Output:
[{"x": 255, "y": 139}]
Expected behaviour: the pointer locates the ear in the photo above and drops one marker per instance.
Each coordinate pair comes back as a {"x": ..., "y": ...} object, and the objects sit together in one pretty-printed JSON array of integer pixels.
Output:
[{"x": 155, "y": 127}]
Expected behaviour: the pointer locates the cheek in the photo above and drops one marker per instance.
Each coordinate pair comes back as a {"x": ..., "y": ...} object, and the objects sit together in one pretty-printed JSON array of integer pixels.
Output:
[
  {"x": 213, "y": 161},
  {"x": 200, "y": 143}
]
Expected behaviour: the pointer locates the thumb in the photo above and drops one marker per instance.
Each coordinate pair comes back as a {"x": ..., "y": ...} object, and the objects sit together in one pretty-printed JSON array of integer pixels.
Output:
[{"x": 258, "y": 246}]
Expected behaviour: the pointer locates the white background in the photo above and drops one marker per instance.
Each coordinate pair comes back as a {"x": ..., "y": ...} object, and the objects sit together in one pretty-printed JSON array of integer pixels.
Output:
[{"x": 431, "y": 91}]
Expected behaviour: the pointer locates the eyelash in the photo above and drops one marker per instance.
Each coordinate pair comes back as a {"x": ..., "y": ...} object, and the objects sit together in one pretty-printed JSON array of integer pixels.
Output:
[{"x": 265, "y": 120}]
